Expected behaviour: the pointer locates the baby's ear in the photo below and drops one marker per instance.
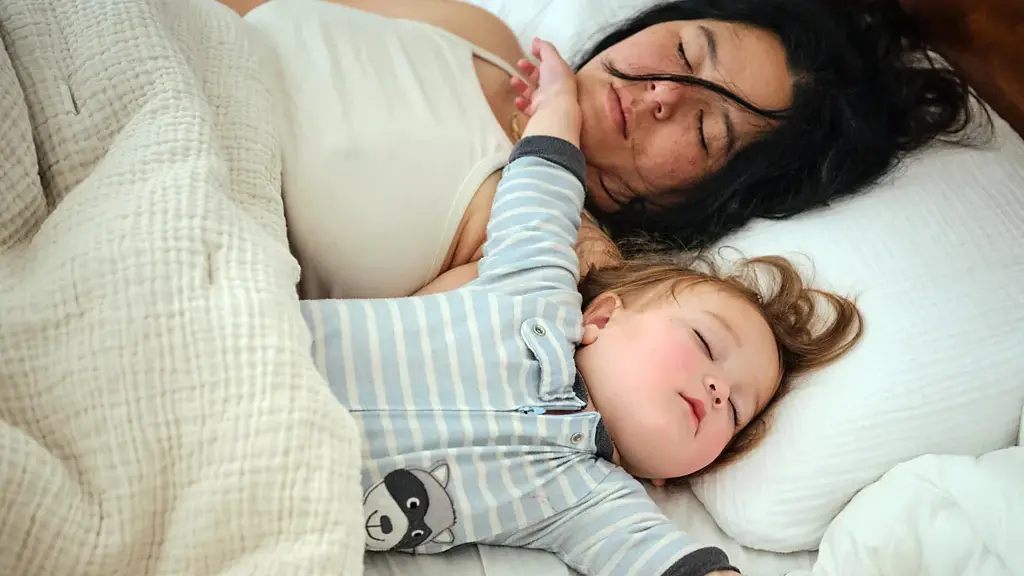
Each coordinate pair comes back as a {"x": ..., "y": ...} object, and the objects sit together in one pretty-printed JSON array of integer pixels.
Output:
[
  {"x": 600, "y": 310},
  {"x": 658, "y": 482},
  {"x": 590, "y": 333}
]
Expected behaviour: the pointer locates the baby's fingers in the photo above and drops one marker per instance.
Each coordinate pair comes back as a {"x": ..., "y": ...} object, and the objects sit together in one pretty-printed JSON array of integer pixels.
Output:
[
  {"x": 544, "y": 50},
  {"x": 526, "y": 67},
  {"x": 529, "y": 71},
  {"x": 521, "y": 87},
  {"x": 536, "y": 47},
  {"x": 525, "y": 106}
]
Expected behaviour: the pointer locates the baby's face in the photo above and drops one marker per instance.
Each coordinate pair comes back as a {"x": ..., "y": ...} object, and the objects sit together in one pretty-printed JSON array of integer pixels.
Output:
[{"x": 676, "y": 379}]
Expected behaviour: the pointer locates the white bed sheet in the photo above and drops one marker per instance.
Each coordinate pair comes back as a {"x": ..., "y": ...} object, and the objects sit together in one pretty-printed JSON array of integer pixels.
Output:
[{"x": 678, "y": 503}]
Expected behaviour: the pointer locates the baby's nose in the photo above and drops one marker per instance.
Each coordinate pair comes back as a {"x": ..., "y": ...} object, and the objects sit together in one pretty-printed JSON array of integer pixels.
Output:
[{"x": 719, "y": 391}]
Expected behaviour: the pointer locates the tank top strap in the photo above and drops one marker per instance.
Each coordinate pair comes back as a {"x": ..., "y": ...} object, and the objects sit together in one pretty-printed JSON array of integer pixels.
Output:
[{"x": 494, "y": 59}]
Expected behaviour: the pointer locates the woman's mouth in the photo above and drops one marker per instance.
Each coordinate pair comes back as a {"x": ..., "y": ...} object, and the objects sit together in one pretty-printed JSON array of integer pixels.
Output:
[{"x": 614, "y": 107}]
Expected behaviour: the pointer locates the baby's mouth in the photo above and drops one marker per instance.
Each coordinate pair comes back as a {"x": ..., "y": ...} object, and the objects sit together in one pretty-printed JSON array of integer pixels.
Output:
[{"x": 696, "y": 408}]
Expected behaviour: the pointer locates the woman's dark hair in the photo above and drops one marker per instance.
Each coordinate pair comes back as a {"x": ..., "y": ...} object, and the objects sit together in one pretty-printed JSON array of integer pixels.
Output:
[{"x": 865, "y": 92}]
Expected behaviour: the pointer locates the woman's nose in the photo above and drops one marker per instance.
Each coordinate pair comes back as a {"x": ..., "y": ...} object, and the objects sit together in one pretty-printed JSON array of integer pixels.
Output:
[{"x": 664, "y": 98}]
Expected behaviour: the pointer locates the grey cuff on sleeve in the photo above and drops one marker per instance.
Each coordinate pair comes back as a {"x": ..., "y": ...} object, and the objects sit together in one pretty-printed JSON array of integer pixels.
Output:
[
  {"x": 554, "y": 150},
  {"x": 701, "y": 562}
]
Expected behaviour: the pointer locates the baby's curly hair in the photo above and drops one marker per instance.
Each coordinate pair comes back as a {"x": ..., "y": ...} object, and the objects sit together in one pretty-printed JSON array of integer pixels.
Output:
[{"x": 812, "y": 327}]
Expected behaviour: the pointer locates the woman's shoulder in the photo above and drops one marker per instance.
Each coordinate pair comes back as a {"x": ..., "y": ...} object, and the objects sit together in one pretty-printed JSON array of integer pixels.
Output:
[{"x": 471, "y": 22}]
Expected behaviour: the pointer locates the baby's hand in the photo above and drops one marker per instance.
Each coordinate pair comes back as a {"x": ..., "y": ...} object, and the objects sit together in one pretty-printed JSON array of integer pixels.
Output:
[
  {"x": 552, "y": 83},
  {"x": 552, "y": 101}
]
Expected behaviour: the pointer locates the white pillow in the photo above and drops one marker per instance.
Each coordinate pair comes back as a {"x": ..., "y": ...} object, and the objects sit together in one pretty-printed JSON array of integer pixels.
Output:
[
  {"x": 571, "y": 25},
  {"x": 936, "y": 255}
]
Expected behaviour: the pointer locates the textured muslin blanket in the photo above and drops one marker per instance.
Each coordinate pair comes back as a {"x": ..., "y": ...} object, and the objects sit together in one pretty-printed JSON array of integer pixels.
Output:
[{"x": 159, "y": 413}]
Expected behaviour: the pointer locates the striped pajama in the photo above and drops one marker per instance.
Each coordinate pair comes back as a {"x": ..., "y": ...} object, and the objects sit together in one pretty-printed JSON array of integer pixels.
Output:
[{"x": 454, "y": 392}]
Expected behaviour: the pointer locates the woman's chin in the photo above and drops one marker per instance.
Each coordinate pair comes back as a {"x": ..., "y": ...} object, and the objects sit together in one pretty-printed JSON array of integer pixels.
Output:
[
  {"x": 599, "y": 198},
  {"x": 605, "y": 204}
]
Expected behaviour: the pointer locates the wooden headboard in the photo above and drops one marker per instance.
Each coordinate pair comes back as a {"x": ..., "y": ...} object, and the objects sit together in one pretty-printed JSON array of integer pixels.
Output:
[{"x": 984, "y": 40}]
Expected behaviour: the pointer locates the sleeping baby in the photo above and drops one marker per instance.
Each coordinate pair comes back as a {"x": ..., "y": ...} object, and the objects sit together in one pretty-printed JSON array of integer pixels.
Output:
[{"x": 522, "y": 408}]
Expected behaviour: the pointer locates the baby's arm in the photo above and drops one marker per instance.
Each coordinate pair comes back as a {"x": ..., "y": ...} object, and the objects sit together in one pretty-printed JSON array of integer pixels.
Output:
[
  {"x": 593, "y": 249},
  {"x": 617, "y": 530},
  {"x": 531, "y": 235}
]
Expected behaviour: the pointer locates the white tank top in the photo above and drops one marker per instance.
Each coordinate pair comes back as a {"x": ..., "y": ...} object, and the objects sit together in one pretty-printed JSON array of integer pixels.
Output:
[{"x": 386, "y": 136}]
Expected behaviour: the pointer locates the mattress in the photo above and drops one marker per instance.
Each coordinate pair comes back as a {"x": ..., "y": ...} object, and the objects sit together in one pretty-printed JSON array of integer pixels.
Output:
[{"x": 678, "y": 503}]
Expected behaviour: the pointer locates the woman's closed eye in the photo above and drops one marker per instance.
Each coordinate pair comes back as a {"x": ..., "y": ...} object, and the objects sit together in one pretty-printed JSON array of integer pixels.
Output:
[
  {"x": 700, "y": 132},
  {"x": 700, "y": 112},
  {"x": 682, "y": 55}
]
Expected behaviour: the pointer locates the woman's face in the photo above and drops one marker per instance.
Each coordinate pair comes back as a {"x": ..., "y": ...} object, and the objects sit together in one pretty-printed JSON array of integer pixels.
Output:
[{"x": 645, "y": 139}]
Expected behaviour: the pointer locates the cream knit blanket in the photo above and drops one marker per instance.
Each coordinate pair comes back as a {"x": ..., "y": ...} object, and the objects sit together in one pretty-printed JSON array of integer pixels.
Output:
[{"x": 159, "y": 413}]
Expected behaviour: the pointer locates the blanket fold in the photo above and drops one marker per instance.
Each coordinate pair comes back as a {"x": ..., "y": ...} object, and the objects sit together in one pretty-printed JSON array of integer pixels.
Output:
[
  {"x": 159, "y": 413},
  {"x": 936, "y": 515}
]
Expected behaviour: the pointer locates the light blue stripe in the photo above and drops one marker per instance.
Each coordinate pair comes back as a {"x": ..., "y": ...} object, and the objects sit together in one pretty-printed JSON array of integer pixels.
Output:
[{"x": 393, "y": 393}]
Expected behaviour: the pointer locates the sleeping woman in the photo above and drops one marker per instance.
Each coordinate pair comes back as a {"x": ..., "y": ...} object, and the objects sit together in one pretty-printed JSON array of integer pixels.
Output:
[{"x": 396, "y": 117}]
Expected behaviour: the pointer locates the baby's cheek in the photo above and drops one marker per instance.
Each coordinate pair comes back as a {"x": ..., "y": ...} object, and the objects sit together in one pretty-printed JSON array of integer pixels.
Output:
[
  {"x": 675, "y": 355},
  {"x": 714, "y": 440}
]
